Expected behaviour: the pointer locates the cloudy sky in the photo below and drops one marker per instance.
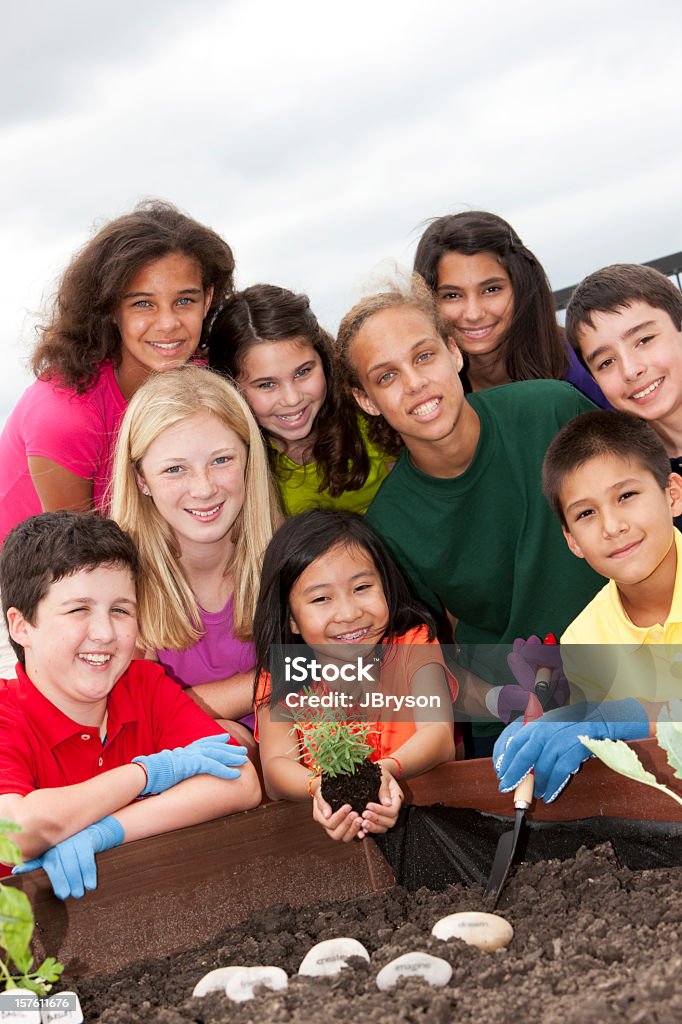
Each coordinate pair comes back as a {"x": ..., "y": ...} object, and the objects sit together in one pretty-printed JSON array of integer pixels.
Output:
[{"x": 318, "y": 137}]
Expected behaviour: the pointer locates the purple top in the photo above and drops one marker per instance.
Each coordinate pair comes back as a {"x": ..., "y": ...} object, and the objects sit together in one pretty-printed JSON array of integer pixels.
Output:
[
  {"x": 579, "y": 377},
  {"x": 576, "y": 375},
  {"x": 217, "y": 655}
]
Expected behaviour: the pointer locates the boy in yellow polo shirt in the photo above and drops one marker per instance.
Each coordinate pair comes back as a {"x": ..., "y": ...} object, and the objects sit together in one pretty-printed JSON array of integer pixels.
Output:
[{"x": 607, "y": 476}]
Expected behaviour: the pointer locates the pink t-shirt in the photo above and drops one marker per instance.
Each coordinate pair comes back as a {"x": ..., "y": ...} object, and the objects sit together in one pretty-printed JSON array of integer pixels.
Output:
[
  {"x": 77, "y": 432},
  {"x": 217, "y": 655}
]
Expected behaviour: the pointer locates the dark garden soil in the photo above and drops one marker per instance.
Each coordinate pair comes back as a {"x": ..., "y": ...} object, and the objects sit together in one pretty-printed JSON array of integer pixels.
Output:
[
  {"x": 358, "y": 789},
  {"x": 594, "y": 943}
]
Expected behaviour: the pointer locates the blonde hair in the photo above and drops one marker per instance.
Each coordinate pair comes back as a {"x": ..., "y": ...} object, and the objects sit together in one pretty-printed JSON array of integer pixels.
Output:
[{"x": 168, "y": 609}]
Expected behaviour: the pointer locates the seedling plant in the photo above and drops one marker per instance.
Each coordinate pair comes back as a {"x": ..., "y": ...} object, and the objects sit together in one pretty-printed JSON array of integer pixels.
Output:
[
  {"x": 16, "y": 929},
  {"x": 338, "y": 752}
]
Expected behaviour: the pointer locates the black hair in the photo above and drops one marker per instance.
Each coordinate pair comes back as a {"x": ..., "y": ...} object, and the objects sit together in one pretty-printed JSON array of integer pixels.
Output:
[{"x": 297, "y": 544}]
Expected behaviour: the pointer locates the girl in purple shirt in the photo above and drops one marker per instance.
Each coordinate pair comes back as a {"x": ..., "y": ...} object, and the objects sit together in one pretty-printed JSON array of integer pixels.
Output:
[{"x": 191, "y": 485}]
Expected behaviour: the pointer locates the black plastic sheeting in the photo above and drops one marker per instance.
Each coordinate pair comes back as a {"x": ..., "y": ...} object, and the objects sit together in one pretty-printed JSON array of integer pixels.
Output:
[{"x": 437, "y": 846}]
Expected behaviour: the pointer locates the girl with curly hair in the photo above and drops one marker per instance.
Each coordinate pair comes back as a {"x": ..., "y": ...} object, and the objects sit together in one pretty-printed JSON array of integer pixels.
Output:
[{"x": 137, "y": 299}]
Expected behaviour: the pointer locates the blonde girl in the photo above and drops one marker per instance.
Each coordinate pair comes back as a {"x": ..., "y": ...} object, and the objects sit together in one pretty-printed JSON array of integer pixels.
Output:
[{"x": 191, "y": 485}]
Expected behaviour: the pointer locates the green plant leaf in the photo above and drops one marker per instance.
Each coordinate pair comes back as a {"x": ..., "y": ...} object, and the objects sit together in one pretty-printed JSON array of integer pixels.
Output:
[
  {"x": 335, "y": 748},
  {"x": 9, "y": 851},
  {"x": 16, "y": 926},
  {"x": 9, "y": 826},
  {"x": 16, "y": 929},
  {"x": 31, "y": 983},
  {"x": 621, "y": 758},
  {"x": 670, "y": 737}
]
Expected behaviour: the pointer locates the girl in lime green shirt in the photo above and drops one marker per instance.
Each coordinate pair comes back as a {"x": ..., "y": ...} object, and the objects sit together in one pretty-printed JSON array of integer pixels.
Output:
[{"x": 270, "y": 342}]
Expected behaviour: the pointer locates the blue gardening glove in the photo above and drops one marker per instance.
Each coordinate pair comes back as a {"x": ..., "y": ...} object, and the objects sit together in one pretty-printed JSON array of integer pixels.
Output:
[
  {"x": 550, "y": 745},
  {"x": 70, "y": 865},
  {"x": 524, "y": 660},
  {"x": 211, "y": 755}
]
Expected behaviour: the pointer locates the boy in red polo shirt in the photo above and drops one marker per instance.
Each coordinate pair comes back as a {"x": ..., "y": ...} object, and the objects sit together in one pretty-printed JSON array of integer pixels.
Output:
[{"x": 84, "y": 730}]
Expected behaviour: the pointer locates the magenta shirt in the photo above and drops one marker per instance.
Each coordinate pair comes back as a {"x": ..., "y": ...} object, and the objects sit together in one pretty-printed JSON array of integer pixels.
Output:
[
  {"x": 77, "y": 432},
  {"x": 217, "y": 655}
]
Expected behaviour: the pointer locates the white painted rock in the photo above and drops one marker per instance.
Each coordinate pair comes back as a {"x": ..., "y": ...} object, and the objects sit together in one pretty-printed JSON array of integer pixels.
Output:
[
  {"x": 487, "y": 931},
  {"x": 214, "y": 981},
  {"x": 240, "y": 985},
  {"x": 19, "y": 1006},
  {"x": 66, "y": 1010},
  {"x": 330, "y": 956},
  {"x": 415, "y": 965}
]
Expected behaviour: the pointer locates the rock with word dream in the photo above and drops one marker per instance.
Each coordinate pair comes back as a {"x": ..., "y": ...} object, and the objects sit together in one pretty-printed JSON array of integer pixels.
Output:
[
  {"x": 487, "y": 931},
  {"x": 214, "y": 981},
  {"x": 330, "y": 956},
  {"x": 432, "y": 969},
  {"x": 240, "y": 986}
]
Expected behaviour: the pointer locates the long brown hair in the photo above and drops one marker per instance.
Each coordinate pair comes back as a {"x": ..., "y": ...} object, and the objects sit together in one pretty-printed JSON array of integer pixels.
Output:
[
  {"x": 81, "y": 333},
  {"x": 265, "y": 312},
  {"x": 533, "y": 345}
]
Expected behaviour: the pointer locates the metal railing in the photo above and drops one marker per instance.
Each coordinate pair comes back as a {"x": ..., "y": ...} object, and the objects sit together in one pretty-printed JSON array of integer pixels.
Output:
[{"x": 671, "y": 266}]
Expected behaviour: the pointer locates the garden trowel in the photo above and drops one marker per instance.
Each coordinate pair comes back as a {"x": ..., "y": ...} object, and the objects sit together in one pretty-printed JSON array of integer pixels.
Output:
[{"x": 523, "y": 796}]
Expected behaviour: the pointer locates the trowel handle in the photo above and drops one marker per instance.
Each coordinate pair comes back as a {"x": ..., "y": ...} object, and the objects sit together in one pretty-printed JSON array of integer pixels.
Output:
[
  {"x": 543, "y": 676},
  {"x": 523, "y": 794}
]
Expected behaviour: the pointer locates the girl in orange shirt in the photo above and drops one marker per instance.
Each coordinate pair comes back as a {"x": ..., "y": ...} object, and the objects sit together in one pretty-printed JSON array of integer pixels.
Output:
[{"x": 329, "y": 585}]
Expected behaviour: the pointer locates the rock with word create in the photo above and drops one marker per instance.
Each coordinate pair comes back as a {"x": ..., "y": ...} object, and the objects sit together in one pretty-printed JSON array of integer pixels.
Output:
[{"x": 330, "y": 956}]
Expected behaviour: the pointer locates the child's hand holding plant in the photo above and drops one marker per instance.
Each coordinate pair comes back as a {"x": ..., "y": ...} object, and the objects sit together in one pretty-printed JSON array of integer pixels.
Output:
[
  {"x": 380, "y": 817},
  {"x": 351, "y": 795}
]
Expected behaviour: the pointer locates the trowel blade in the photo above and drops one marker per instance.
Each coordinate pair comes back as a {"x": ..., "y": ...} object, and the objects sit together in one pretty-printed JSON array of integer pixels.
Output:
[{"x": 504, "y": 855}]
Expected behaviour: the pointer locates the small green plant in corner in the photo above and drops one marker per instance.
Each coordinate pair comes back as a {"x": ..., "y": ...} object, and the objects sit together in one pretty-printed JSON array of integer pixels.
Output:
[
  {"x": 622, "y": 758},
  {"x": 16, "y": 929}
]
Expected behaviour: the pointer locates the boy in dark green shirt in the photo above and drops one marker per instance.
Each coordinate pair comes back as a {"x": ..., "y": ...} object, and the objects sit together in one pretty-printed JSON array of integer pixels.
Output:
[{"x": 462, "y": 510}]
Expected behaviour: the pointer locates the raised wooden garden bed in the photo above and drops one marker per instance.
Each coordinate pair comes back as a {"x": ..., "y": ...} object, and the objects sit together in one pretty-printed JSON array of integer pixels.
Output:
[{"x": 165, "y": 895}]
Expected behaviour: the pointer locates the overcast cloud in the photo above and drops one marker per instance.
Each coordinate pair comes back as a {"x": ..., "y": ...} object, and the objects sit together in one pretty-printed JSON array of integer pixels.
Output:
[{"x": 318, "y": 138}]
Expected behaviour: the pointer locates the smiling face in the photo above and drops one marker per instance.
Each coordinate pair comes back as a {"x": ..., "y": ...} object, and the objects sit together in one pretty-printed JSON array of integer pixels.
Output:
[
  {"x": 284, "y": 384},
  {"x": 476, "y": 301},
  {"x": 635, "y": 356},
  {"x": 339, "y": 599},
  {"x": 619, "y": 519},
  {"x": 194, "y": 474},
  {"x": 411, "y": 378},
  {"x": 160, "y": 319},
  {"x": 82, "y": 640}
]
